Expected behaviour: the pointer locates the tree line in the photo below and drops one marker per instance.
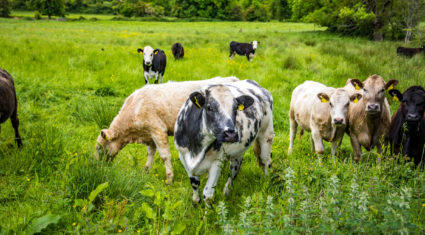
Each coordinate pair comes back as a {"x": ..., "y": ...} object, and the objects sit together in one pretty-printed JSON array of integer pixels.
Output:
[{"x": 376, "y": 19}]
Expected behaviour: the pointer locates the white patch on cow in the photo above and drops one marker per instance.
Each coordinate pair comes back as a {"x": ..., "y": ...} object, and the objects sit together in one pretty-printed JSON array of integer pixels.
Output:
[
  {"x": 148, "y": 55},
  {"x": 254, "y": 45}
]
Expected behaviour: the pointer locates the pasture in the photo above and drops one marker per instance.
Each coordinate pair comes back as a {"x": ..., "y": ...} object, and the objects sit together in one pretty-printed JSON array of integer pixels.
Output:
[{"x": 69, "y": 89}]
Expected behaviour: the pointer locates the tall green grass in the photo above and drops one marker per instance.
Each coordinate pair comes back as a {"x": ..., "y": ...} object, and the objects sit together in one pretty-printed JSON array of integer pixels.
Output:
[{"x": 69, "y": 88}]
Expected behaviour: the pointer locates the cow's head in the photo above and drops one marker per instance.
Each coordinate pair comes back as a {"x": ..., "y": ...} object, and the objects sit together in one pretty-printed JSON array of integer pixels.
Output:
[
  {"x": 373, "y": 92},
  {"x": 108, "y": 145},
  {"x": 255, "y": 44},
  {"x": 220, "y": 108},
  {"x": 339, "y": 101},
  {"x": 148, "y": 53},
  {"x": 412, "y": 103}
]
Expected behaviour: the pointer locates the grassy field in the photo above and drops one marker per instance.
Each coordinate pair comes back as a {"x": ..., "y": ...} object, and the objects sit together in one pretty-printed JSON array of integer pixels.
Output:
[{"x": 68, "y": 89}]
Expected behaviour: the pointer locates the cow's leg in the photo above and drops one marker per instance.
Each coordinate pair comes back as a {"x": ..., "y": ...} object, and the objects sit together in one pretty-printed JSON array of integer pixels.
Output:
[
  {"x": 247, "y": 56},
  {"x": 156, "y": 78},
  {"x": 151, "y": 149},
  {"x": 312, "y": 148},
  {"x": 317, "y": 139},
  {"x": 146, "y": 77},
  {"x": 235, "y": 166},
  {"x": 160, "y": 77},
  {"x": 263, "y": 150},
  {"x": 161, "y": 141},
  {"x": 292, "y": 133},
  {"x": 334, "y": 147},
  {"x": 232, "y": 54},
  {"x": 195, "y": 182},
  {"x": 213, "y": 176},
  {"x": 15, "y": 123},
  {"x": 356, "y": 148}
]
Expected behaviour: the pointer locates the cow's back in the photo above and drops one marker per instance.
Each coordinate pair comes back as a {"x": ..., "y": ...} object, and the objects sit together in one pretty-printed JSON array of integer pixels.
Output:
[{"x": 7, "y": 96}]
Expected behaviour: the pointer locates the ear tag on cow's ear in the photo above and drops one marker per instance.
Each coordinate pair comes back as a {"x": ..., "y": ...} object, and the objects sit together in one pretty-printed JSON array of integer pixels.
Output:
[
  {"x": 395, "y": 98},
  {"x": 324, "y": 100},
  {"x": 357, "y": 87},
  {"x": 156, "y": 52},
  {"x": 241, "y": 107},
  {"x": 391, "y": 87},
  {"x": 197, "y": 103},
  {"x": 355, "y": 100}
]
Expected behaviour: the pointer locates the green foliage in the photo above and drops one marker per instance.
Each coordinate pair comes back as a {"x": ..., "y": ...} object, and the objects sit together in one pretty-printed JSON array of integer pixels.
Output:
[
  {"x": 37, "y": 15},
  {"x": 48, "y": 7},
  {"x": 38, "y": 224},
  {"x": 5, "y": 8}
]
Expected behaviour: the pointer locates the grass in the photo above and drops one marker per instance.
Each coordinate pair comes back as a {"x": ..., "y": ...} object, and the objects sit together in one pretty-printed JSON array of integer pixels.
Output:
[{"x": 69, "y": 88}]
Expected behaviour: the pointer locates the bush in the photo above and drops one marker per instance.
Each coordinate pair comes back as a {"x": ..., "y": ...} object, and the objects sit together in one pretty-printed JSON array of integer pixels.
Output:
[
  {"x": 5, "y": 8},
  {"x": 234, "y": 12},
  {"x": 37, "y": 15},
  {"x": 258, "y": 12}
]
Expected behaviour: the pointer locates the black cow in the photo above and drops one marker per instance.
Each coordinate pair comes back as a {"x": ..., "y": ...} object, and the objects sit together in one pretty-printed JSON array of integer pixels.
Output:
[
  {"x": 407, "y": 129},
  {"x": 247, "y": 49},
  {"x": 9, "y": 103},
  {"x": 178, "y": 50},
  {"x": 154, "y": 62},
  {"x": 410, "y": 52}
]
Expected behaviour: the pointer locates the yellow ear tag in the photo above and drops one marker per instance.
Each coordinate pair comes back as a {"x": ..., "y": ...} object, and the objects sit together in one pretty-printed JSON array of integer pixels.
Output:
[
  {"x": 395, "y": 98},
  {"x": 156, "y": 52},
  {"x": 324, "y": 100},
  {"x": 107, "y": 137},
  {"x": 197, "y": 103},
  {"x": 357, "y": 87},
  {"x": 241, "y": 107},
  {"x": 391, "y": 87},
  {"x": 356, "y": 100}
]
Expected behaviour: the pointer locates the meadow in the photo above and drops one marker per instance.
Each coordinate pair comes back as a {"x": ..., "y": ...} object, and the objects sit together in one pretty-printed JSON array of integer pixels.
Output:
[{"x": 69, "y": 89}]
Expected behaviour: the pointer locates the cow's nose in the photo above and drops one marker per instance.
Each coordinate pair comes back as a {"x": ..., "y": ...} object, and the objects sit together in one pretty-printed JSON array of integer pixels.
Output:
[
  {"x": 373, "y": 107},
  {"x": 230, "y": 136},
  {"x": 412, "y": 117},
  {"x": 338, "y": 121}
]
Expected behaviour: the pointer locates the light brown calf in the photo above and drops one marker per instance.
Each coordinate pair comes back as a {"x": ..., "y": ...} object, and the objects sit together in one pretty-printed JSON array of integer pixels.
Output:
[{"x": 148, "y": 116}]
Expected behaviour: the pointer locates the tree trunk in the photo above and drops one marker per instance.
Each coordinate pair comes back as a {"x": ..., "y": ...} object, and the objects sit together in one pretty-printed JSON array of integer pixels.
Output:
[
  {"x": 50, "y": 17},
  {"x": 377, "y": 34},
  {"x": 408, "y": 35}
]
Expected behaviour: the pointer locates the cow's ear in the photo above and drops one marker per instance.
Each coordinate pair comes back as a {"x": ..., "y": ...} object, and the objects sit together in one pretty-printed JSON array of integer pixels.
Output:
[
  {"x": 251, "y": 43},
  {"x": 244, "y": 102},
  {"x": 357, "y": 83},
  {"x": 324, "y": 98},
  {"x": 355, "y": 97},
  {"x": 391, "y": 84},
  {"x": 396, "y": 94},
  {"x": 156, "y": 51},
  {"x": 197, "y": 99},
  {"x": 139, "y": 50},
  {"x": 104, "y": 134}
]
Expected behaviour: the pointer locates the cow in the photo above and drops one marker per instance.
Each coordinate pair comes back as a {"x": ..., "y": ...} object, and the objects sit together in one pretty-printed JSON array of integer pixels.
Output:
[
  {"x": 246, "y": 49},
  {"x": 178, "y": 51},
  {"x": 154, "y": 62},
  {"x": 369, "y": 119},
  {"x": 410, "y": 52},
  {"x": 322, "y": 111},
  {"x": 407, "y": 129},
  {"x": 9, "y": 103},
  {"x": 219, "y": 123},
  {"x": 148, "y": 116}
]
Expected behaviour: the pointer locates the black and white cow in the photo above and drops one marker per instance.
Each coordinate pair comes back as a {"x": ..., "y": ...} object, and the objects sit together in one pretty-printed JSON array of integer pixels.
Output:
[
  {"x": 219, "y": 123},
  {"x": 154, "y": 62},
  {"x": 178, "y": 50},
  {"x": 246, "y": 49}
]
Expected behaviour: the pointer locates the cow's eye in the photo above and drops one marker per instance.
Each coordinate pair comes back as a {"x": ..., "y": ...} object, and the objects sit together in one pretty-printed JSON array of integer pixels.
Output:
[
  {"x": 364, "y": 89},
  {"x": 330, "y": 104},
  {"x": 209, "y": 108},
  {"x": 382, "y": 91},
  {"x": 346, "y": 105}
]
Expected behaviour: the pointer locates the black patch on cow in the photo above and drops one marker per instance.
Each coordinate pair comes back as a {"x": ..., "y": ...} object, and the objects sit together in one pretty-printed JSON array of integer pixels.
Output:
[
  {"x": 251, "y": 138},
  {"x": 188, "y": 133},
  {"x": 194, "y": 181},
  {"x": 159, "y": 62},
  {"x": 241, "y": 49}
]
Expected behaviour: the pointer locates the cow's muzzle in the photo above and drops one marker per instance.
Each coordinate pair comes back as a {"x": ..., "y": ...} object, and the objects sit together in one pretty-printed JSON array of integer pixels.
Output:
[
  {"x": 412, "y": 117},
  {"x": 230, "y": 136},
  {"x": 373, "y": 108},
  {"x": 338, "y": 121}
]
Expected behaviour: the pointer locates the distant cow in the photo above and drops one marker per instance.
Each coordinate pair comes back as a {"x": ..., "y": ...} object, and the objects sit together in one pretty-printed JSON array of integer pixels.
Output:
[
  {"x": 9, "y": 103},
  {"x": 246, "y": 49},
  {"x": 148, "y": 116},
  {"x": 369, "y": 119},
  {"x": 219, "y": 123},
  {"x": 410, "y": 52},
  {"x": 154, "y": 62},
  {"x": 322, "y": 111},
  {"x": 178, "y": 50},
  {"x": 407, "y": 129}
]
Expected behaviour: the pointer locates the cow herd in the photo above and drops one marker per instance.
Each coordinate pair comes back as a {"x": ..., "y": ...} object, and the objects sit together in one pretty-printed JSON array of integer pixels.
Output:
[{"x": 218, "y": 119}]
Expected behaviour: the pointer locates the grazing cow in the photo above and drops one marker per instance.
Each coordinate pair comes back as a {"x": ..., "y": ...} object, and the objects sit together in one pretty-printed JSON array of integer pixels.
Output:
[
  {"x": 154, "y": 62},
  {"x": 407, "y": 129},
  {"x": 219, "y": 123},
  {"x": 148, "y": 116},
  {"x": 9, "y": 103},
  {"x": 178, "y": 50},
  {"x": 370, "y": 118},
  {"x": 246, "y": 49},
  {"x": 322, "y": 111},
  {"x": 410, "y": 52}
]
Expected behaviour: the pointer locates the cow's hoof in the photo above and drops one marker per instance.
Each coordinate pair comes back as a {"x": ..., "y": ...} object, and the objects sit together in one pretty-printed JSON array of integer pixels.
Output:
[{"x": 209, "y": 203}]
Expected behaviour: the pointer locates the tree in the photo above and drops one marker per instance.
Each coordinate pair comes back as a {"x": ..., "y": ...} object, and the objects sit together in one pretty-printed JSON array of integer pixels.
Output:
[
  {"x": 5, "y": 7},
  {"x": 48, "y": 7},
  {"x": 412, "y": 12}
]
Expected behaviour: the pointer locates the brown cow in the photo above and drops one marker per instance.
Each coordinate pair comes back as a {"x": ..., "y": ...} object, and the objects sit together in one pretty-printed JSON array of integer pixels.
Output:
[
  {"x": 9, "y": 103},
  {"x": 370, "y": 118},
  {"x": 148, "y": 116}
]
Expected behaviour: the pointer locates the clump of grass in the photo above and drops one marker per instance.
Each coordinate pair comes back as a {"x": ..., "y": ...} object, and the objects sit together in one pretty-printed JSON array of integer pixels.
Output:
[
  {"x": 105, "y": 91},
  {"x": 98, "y": 111},
  {"x": 291, "y": 62}
]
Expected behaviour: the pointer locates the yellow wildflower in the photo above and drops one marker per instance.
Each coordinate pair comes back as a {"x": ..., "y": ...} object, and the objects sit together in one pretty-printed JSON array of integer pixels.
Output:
[{"x": 74, "y": 224}]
